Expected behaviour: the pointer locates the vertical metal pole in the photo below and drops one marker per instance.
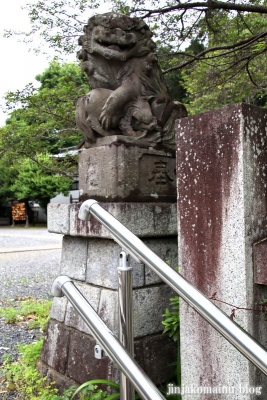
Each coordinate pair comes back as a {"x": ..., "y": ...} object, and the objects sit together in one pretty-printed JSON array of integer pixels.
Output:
[{"x": 125, "y": 319}]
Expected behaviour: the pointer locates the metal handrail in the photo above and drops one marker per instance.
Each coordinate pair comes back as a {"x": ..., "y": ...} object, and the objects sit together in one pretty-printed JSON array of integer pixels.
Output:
[
  {"x": 63, "y": 285},
  {"x": 237, "y": 336}
]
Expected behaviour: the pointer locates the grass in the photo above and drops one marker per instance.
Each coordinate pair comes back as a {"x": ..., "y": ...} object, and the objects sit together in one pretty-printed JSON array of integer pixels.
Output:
[
  {"x": 34, "y": 313},
  {"x": 22, "y": 375}
]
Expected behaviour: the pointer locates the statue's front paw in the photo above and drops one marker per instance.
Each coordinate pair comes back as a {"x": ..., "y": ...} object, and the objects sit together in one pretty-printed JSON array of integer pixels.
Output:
[{"x": 108, "y": 121}]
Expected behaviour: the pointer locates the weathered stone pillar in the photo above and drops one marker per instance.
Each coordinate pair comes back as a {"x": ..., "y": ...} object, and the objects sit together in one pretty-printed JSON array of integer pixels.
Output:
[
  {"x": 222, "y": 220},
  {"x": 137, "y": 186}
]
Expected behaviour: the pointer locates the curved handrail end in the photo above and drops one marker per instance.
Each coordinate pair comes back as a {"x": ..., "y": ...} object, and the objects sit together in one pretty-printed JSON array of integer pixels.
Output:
[
  {"x": 84, "y": 212},
  {"x": 58, "y": 284}
]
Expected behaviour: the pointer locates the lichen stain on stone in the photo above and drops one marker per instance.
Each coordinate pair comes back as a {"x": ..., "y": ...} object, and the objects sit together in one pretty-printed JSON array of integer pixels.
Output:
[
  {"x": 57, "y": 337},
  {"x": 204, "y": 180},
  {"x": 94, "y": 227},
  {"x": 255, "y": 122},
  {"x": 102, "y": 309},
  {"x": 86, "y": 228}
]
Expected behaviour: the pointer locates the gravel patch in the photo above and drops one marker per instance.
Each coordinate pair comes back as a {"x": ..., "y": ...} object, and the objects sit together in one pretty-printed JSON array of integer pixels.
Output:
[
  {"x": 11, "y": 335},
  {"x": 29, "y": 273},
  {"x": 24, "y": 274}
]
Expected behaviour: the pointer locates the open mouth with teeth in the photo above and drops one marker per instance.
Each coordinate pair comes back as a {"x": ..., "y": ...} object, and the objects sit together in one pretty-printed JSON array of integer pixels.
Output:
[{"x": 115, "y": 39}]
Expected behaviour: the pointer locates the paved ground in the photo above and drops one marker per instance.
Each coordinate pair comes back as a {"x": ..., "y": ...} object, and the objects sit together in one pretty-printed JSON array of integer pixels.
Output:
[{"x": 29, "y": 261}]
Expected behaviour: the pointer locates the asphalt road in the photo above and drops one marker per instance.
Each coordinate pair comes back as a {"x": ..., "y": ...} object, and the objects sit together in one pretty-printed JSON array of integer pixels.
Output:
[{"x": 29, "y": 262}]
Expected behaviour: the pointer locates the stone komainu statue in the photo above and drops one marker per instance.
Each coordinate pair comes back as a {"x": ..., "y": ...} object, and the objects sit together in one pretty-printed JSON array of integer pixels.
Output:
[{"x": 129, "y": 101}]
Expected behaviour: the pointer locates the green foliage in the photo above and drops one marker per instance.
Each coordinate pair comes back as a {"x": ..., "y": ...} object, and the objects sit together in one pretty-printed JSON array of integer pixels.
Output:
[
  {"x": 22, "y": 376},
  {"x": 228, "y": 75},
  {"x": 59, "y": 75},
  {"x": 41, "y": 122},
  {"x": 173, "y": 79},
  {"x": 9, "y": 173},
  {"x": 36, "y": 179},
  {"x": 86, "y": 390},
  {"x": 171, "y": 319},
  {"x": 171, "y": 324},
  {"x": 34, "y": 312}
]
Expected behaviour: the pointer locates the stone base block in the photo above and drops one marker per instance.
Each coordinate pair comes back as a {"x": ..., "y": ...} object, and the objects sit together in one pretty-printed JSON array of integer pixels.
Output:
[
  {"x": 143, "y": 219},
  {"x": 76, "y": 358},
  {"x": 147, "y": 317},
  {"x": 55, "y": 348},
  {"x": 60, "y": 381},
  {"x": 156, "y": 356},
  {"x": 95, "y": 261},
  {"x": 153, "y": 353},
  {"x": 127, "y": 173}
]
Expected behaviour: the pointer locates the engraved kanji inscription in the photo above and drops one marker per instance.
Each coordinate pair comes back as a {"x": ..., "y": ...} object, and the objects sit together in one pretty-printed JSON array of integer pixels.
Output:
[{"x": 160, "y": 174}]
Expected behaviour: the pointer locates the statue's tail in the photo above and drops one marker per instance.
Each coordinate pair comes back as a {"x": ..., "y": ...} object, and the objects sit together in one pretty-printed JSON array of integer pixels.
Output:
[
  {"x": 174, "y": 110},
  {"x": 81, "y": 120}
]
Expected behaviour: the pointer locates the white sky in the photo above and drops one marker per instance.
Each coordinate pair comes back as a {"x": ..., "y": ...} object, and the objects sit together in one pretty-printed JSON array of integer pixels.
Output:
[{"x": 18, "y": 66}]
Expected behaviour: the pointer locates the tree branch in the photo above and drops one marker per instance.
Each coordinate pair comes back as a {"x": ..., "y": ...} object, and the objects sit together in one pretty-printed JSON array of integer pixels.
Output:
[
  {"x": 198, "y": 57},
  {"x": 252, "y": 79},
  {"x": 206, "y": 5}
]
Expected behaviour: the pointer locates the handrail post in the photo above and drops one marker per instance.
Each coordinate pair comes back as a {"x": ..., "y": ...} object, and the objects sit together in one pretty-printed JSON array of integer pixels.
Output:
[{"x": 125, "y": 319}]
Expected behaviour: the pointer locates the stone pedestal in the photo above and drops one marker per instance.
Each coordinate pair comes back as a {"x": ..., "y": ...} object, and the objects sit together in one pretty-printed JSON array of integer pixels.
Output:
[
  {"x": 91, "y": 257},
  {"x": 222, "y": 224},
  {"x": 127, "y": 173}
]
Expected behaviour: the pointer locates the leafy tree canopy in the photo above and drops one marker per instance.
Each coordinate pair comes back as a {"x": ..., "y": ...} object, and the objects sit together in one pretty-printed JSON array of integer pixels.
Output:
[
  {"x": 41, "y": 122},
  {"x": 34, "y": 181},
  {"x": 231, "y": 39},
  {"x": 227, "y": 74}
]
